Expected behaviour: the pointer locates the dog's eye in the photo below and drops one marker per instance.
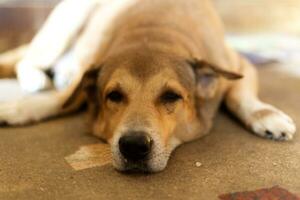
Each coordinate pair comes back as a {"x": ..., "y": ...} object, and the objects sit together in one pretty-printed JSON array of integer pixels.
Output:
[
  {"x": 115, "y": 96},
  {"x": 170, "y": 97}
]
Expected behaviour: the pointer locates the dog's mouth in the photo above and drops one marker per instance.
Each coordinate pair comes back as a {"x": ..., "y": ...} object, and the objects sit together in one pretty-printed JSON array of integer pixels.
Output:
[
  {"x": 136, "y": 166},
  {"x": 152, "y": 164},
  {"x": 125, "y": 165}
]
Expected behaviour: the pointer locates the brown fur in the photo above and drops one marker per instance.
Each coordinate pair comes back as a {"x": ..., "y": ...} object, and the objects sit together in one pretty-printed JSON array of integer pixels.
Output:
[{"x": 152, "y": 50}]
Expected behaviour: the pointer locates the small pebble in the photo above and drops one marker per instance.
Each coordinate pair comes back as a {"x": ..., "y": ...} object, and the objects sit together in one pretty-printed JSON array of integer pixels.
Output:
[{"x": 198, "y": 164}]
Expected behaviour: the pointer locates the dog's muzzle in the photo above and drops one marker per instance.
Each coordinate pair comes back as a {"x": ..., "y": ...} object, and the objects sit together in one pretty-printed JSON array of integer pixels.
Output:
[{"x": 141, "y": 151}]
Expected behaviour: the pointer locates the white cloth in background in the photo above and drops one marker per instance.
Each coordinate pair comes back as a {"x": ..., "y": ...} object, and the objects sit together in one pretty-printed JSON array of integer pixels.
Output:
[{"x": 265, "y": 48}]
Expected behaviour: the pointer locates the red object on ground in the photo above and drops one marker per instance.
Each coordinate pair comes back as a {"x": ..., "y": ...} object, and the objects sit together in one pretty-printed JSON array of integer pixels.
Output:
[{"x": 274, "y": 193}]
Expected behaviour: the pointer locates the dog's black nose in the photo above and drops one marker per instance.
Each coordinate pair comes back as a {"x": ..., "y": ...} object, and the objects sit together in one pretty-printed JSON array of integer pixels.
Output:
[{"x": 135, "y": 146}]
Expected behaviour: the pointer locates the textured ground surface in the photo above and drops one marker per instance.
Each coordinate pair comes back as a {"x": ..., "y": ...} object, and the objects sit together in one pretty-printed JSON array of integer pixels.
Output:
[{"x": 32, "y": 164}]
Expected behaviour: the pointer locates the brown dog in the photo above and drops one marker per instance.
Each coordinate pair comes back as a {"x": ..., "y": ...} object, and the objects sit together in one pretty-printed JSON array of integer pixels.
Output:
[{"x": 162, "y": 71}]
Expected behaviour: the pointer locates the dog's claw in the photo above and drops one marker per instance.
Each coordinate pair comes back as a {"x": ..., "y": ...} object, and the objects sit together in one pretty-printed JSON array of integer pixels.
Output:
[{"x": 269, "y": 134}]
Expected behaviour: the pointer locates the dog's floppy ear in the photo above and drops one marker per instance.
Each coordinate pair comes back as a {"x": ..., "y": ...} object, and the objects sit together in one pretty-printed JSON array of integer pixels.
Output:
[
  {"x": 207, "y": 76},
  {"x": 86, "y": 88}
]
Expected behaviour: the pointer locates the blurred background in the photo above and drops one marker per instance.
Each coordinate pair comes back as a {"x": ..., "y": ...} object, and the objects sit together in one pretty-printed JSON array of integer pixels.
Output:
[
  {"x": 250, "y": 16},
  {"x": 264, "y": 30}
]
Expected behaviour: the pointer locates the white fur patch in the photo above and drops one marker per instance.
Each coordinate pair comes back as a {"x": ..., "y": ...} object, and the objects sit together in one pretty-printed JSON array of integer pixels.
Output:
[
  {"x": 65, "y": 70},
  {"x": 30, "y": 108},
  {"x": 32, "y": 80},
  {"x": 60, "y": 29}
]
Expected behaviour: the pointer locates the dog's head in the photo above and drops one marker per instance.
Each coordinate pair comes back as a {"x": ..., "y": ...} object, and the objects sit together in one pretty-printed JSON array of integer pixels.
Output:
[{"x": 145, "y": 105}]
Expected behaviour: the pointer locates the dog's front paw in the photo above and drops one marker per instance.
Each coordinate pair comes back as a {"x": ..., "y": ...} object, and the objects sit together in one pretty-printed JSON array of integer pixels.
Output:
[
  {"x": 10, "y": 114},
  {"x": 33, "y": 80},
  {"x": 272, "y": 123},
  {"x": 19, "y": 112}
]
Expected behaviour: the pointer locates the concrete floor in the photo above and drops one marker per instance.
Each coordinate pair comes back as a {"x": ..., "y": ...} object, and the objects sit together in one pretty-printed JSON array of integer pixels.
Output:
[{"x": 32, "y": 164}]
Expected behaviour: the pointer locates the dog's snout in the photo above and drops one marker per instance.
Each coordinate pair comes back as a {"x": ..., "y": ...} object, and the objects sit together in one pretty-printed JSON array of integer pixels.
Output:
[{"x": 135, "y": 146}]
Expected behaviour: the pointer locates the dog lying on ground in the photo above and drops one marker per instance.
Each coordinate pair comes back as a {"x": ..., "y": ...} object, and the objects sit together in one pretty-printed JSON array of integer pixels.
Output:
[{"x": 152, "y": 72}]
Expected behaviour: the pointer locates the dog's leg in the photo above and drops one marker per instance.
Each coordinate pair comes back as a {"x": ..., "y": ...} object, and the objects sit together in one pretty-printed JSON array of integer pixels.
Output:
[
  {"x": 91, "y": 44},
  {"x": 88, "y": 49},
  {"x": 48, "y": 45},
  {"x": 263, "y": 119}
]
